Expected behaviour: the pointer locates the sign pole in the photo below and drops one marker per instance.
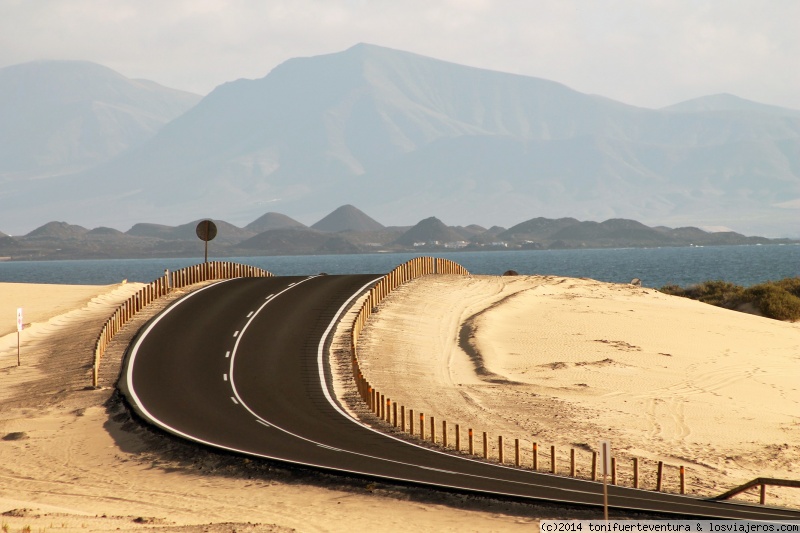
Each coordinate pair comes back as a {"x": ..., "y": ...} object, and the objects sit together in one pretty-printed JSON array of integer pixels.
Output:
[
  {"x": 605, "y": 448},
  {"x": 19, "y": 330}
]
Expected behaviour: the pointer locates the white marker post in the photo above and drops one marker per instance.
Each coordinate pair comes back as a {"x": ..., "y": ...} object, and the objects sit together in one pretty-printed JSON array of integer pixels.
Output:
[
  {"x": 19, "y": 330},
  {"x": 605, "y": 458}
]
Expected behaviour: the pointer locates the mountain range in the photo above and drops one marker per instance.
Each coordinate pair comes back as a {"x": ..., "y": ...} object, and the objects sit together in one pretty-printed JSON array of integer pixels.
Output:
[
  {"x": 401, "y": 134},
  {"x": 348, "y": 230}
]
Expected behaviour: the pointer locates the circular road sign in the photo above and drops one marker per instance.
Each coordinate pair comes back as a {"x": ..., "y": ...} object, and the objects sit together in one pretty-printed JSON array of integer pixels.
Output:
[{"x": 206, "y": 230}]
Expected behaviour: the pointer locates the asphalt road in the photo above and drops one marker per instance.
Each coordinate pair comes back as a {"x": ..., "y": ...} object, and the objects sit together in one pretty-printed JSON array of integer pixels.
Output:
[{"x": 242, "y": 365}]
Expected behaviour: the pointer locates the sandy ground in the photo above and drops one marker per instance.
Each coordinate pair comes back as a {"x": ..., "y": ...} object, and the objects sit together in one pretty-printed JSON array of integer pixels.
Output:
[
  {"x": 570, "y": 362},
  {"x": 72, "y": 459},
  {"x": 560, "y": 361}
]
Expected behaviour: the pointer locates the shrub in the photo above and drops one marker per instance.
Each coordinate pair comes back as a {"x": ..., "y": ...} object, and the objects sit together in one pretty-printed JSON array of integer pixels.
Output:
[
  {"x": 719, "y": 293},
  {"x": 775, "y": 299}
]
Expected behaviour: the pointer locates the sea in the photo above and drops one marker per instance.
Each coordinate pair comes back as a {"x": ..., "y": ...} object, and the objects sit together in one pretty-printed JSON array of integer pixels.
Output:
[{"x": 655, "y": 267}]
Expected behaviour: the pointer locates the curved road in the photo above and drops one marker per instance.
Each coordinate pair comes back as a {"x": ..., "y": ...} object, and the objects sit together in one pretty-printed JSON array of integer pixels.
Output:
[{"x": 241, "y": 365}]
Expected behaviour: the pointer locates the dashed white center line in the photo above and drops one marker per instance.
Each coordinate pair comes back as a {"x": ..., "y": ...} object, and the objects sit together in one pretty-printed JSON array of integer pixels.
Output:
[
  {"x": 250, "y": 314},
  {"x": 225, "y": 377},
  {"x": 270, "y": 296},
  {"x": 228, "y": 354},
  {"x": 234, "y": 400},
  {"x": 236, "y": 334},
  {"x": 262, "y": 423}
]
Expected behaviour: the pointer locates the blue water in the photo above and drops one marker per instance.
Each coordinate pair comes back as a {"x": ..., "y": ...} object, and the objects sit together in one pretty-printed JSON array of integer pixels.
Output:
[{"x": 656, "y": 267}]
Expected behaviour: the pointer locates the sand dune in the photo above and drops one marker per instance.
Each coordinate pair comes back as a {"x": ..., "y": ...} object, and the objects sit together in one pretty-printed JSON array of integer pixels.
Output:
[{"x": 570, "y": 362}]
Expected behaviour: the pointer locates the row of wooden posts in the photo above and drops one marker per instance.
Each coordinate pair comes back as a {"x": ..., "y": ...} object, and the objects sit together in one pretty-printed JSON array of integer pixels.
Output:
[
  {"x": 415, "y": 268},
  {"x": 387, "y": 410},
  {"x": 401, "y": 418},
  {"x": 177, "y": 279}
]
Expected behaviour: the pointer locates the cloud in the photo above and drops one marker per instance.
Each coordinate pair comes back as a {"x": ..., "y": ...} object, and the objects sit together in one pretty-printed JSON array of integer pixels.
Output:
[{"x": 645, "y": 52}]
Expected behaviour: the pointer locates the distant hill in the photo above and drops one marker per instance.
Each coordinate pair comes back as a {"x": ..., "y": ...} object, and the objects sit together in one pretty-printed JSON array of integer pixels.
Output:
[
  {"x": 57, "y": 231},
  {"x": 536, "y": 229},
  {"x": 226, "y": 232},
  {"x": 272, "y": 220},
  {"x": 59, "y": 117},
  {"x": 291, "y": 241},
  {"x": 347, "y": 218},
  {"x": 727, "y": 102},
  {"x": 429, "y": 230},
  {"x": 60, "y": 240}
]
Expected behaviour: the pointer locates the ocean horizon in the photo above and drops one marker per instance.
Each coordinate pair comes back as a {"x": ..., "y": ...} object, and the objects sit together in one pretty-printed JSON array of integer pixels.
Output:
[{"x": 743, "y": 265}]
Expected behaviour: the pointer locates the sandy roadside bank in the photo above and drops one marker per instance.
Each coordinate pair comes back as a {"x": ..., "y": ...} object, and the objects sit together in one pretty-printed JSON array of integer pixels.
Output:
[{"x": 568, "y": 362}]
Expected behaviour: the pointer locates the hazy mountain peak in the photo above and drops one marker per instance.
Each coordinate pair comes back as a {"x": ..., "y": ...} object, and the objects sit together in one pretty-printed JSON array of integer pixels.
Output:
[
  {"x": 726, "y": 102},
  {"x": 272, "y": 220},
  {"x": 429, "y": 230},
  {"x": 347, "y": 218},
  {"x": 58, "y": 230},
  {"x": 57, "y": 117}
]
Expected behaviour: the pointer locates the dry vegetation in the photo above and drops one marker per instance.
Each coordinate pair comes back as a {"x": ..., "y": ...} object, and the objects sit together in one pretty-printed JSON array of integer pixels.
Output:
[{"x": 773, "y": 299}]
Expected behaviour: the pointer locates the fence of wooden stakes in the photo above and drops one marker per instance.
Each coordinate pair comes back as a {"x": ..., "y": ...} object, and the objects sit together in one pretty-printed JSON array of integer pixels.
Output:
[
  {"x": 525, "y": 453},
  {"x": 190, "y": 275}
]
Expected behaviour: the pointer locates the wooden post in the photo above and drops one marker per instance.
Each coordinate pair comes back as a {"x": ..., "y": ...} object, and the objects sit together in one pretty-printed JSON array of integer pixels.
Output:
[
  {"x": 388, "y": 410},
  {"x": 683, "y": 480},
  {"x": 485, "y": 445},
  {"x": 500, "y": 448},
  {"x": 660, "y": 472},
  {"x": 605, "y": 448},
  {"x": 613, "y": 470},
  {"x": 394, "y": 414},
  {"x": 444, "y": 433},
  {"x": 552, "y": 459},
  {"x": 411, "y": 421},
  {"x": 535, "y": 456},
  {"x": 458, "y": 438},
  {"x": 403, "y": 417},
  {"x": 635, "y": 472},
  {"x": 516, "y": 453},
  {"x": 382, "y": 411},
  {"x": 572, "y": 462},
  {"x": 471, "y": 447},
  {"x": 763, "y": 498},
  {"x": 433, "y": 431},
  {"x": 422, "y": 426}
]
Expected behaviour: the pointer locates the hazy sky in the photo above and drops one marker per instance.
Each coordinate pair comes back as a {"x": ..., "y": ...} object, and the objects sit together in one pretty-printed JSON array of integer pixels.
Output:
[{"x": 643, "y": 52}]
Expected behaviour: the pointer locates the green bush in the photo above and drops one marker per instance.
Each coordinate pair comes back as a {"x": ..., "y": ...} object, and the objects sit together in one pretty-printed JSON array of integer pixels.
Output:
[
  {"x": 719, "y": 293},
  {"x": 775, "y": 299}
]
